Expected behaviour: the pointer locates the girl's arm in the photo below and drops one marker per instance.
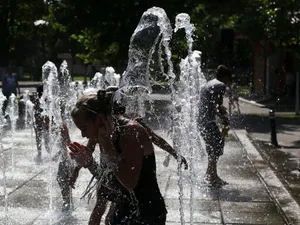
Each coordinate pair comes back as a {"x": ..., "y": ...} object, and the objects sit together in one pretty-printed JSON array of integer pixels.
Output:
[{"x": 164, "y": 145}]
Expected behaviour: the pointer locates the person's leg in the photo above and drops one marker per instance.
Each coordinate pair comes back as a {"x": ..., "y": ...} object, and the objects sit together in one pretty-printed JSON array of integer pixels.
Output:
[
  {"x": 38, "y": 139},
  {"x": 98, "y": 211},
  {"x": 5, "y": 103},
  {"x": 109, "y": 213},
  {"x": 63, "y": 179},
  {"x": 214, "y": 148},
  {"x": 211, "y": 171},
  {"x": 46, "y": 140}
]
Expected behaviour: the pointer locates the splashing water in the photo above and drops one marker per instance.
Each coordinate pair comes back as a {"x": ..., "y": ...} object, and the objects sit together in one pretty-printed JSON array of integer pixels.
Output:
[
  {"x": 152, "y": 35},
  {"x": 2, "y": 120},
  {"x": 13, "y": 112},
  {"x": 183, "y": 22},
  {"x": 26, "y": 98},
  {"x": 50, "y": 90},
  {"x": 2, "y": 154},
  {"x": 98, "y": 81},
  {"x": 153, "y": 29},
  {"x": 55, "y": 95},
  {"x": 186, "y": 101},
  {"x": 67, "y": 93}
]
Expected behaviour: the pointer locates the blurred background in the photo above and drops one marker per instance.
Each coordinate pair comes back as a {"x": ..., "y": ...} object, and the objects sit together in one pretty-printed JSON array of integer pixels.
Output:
[{"x": 258, "y": 39}]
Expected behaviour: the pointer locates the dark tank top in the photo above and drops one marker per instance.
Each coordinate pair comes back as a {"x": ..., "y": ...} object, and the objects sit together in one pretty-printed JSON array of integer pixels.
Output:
[{"x": 145, "y": 202}]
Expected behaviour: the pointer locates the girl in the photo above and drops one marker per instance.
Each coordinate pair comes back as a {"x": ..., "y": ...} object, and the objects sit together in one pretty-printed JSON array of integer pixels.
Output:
[{"x": 128, "y": 154}]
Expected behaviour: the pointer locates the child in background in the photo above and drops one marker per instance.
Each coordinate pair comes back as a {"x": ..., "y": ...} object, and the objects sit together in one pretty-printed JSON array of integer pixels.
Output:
[{"x": 65, "y": 166}]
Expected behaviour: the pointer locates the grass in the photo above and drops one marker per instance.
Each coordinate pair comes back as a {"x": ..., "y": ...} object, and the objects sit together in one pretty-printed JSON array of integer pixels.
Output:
[
  {"x": 79, "y": 78},
  {"x": 243, "y": 90},
  {"x": 26, "y": 76}
]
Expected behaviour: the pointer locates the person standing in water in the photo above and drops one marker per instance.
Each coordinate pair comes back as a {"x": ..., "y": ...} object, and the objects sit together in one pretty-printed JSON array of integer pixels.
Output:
[{"x": 211, "y": 105}]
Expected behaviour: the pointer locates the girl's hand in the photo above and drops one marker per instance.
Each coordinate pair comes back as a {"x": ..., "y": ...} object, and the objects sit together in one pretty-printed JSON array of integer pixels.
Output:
[{"x": 81, "y": 154}]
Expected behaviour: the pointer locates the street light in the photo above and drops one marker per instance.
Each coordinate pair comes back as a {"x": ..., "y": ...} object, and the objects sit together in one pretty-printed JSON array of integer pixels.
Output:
[{"x": 41, "y": 23}]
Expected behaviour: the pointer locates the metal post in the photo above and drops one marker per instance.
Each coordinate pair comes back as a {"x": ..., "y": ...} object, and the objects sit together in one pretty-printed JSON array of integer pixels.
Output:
[
  {"x": 268, "y": 77},
  {"x": 230, "y": 107},
  {"x": 297, "y": 93},
  {"x": 272, "y": 120}
]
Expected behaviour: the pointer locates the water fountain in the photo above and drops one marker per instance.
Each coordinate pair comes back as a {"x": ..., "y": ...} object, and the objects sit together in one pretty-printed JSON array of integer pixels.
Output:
[
  {"x": 67, "y": 95},
  {"x": 98, "y": 81},
  {"x": 136, "y": 83},
  {"x": 3, "y": 159},
  {"x": 152, "y": 35},
  {"x": 49, "y": 102},
  {"x": 153, "y": 29},
  {"x": 111, "y": 78},
  {"x": 13, "y": 115}
]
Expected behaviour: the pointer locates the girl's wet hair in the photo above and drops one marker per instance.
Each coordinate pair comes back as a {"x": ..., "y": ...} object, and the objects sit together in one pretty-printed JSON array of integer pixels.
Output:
[{"x": 88, "y": 106}]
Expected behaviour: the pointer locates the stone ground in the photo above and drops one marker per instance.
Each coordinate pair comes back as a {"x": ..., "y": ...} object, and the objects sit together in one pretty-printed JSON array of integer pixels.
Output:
[
  {"x": 284, "y": 159},
  {"x": 253, "y": 195}
]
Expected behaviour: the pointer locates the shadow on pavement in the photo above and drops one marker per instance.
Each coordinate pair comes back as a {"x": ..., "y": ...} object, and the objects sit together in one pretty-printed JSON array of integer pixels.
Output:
[{"x": 261, "y": 124}]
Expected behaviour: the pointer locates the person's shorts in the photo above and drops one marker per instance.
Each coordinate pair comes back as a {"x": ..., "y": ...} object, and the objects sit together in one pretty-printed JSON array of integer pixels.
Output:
[{"x": 213, "y": 139}]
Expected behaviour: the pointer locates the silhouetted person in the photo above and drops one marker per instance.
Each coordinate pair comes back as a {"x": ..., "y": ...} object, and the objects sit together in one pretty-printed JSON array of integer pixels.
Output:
[
  {"x": 93, "y": 72},
  {"x": 41, "y": 125},
  {"x": 211, "y": 105},
  {"x": 9, "y": 86}
]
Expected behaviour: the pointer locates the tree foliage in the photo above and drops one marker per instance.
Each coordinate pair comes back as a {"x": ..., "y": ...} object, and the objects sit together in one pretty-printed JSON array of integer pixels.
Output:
[{"x": 100, "y": 31}]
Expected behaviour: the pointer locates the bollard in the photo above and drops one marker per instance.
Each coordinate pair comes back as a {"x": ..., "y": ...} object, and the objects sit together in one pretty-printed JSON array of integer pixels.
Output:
[
  {"x": 272, "y": 120},
  {"x": 297, "y": 94}
]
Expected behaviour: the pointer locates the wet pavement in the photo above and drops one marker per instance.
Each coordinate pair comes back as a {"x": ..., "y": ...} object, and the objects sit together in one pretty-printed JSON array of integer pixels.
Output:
[
  {"x": 253, "y": 195},
  {"x": 284, "y": 159}
]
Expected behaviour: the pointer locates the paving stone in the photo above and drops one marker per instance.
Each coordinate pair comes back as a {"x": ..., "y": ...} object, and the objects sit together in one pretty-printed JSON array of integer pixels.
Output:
[
  {"x": 241, "y": 193},
  {"x": 259, "y": 207},
  {"x": 201, "y": 205},
  {"x": 244, "y": 200},
  {"x": 252, "y": 218},
  {"x": 198, "y": 216}
]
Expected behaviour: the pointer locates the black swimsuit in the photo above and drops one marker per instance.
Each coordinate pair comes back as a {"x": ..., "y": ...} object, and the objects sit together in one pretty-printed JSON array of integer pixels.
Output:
[{"x": 145, "y": 204}]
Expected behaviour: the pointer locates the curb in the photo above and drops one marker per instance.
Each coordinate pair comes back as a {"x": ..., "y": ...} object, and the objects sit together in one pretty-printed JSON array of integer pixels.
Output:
[
  {"x": 283, "y": 199},
  {"x": 265, "y": 106},
  {"x": 252, "y": 102}
]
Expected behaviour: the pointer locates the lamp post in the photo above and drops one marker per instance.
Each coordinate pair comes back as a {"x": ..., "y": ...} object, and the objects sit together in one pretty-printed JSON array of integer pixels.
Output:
[
  {"x": 297, "y": 93},
  {"x": 40, "y": 24}
]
